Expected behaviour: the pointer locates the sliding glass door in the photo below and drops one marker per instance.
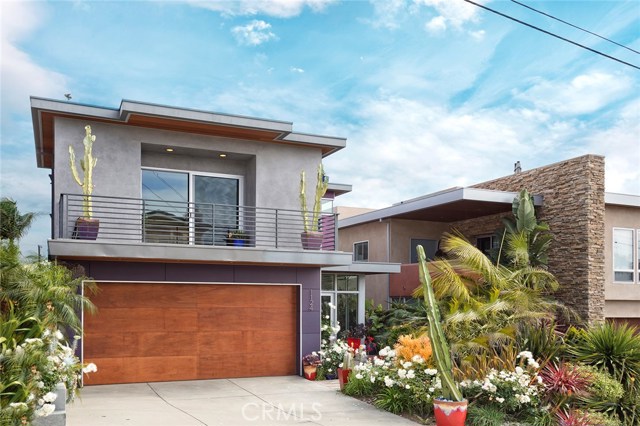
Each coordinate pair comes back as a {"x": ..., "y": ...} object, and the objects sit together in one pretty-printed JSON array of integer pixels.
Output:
[{"x": 188, "y": 208}]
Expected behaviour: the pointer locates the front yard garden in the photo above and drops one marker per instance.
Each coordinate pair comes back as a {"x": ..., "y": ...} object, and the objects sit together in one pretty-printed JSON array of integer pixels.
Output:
[{"x": 517, "y": 355}]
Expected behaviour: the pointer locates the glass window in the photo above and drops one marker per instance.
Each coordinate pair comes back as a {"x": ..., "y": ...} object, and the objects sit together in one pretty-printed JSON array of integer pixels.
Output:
[
  {"x": 328, "y": 282},
  {"x": 623, "y": 252},
  {"x": 347, "y": 283},
  {"x": 347, "y": 313},
  {"x": 165, "y": 209},
  {"x": 430, "y": 247},
  {"x": 361, "y": 251},
  {"x": 216, "y": 213}
]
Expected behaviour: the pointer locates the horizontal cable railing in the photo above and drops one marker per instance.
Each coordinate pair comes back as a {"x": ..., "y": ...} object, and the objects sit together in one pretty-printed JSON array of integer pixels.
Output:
[{"x": 188, "y": 223}]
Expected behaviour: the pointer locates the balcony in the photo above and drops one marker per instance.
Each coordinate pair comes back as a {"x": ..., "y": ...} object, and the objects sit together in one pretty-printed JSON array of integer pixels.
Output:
[{"x": 193, "y": 231}]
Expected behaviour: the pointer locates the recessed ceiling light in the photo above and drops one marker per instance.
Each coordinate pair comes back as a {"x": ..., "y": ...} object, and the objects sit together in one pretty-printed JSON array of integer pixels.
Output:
[
  {"x": 223, "y": 155},
  {"x": 169, "y": 149}
]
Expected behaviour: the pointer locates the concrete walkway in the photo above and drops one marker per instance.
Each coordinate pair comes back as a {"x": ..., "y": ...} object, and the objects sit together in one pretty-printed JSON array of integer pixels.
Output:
[{"x": 225, "y": 402}]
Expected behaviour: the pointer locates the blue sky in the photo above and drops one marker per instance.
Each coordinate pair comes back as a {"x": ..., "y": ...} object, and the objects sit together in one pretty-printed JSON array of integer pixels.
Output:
[{"x": 430, "y": 94}]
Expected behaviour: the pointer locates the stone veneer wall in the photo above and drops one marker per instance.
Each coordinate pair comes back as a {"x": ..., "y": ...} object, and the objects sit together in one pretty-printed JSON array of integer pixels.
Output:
[{"x": 573, "y": 206}]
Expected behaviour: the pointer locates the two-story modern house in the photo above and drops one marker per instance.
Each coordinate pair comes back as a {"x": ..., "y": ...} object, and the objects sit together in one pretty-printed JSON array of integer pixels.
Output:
[
  {"x": 595, "y": 253},
  {"x": 198, "y": 255}
]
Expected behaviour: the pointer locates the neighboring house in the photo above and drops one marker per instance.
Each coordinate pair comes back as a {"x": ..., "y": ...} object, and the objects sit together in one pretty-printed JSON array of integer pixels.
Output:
[
  {"x": 595, "y": 253},
  {"x": 179, "y": 297}
]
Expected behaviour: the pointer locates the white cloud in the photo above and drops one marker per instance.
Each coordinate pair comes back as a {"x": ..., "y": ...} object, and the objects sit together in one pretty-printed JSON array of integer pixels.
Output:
[
  {"x": 450, "y": 13},
  {"x": 387, "y": 13},
  {"x": 296, "y": 70},
  {"x": 478, "y": 35},
  {"x": 436, "y": 25},
  {"x": 21, "y": 75},
  {"x": 277, "y": 8},
  {"x": 254, "y": 33},
  {"x": 586, "y": 93}
]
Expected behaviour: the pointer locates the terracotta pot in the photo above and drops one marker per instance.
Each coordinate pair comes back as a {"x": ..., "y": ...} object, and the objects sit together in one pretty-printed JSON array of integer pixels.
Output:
[
  {"x": 343, "y": 376},
  {"x": 354, "y": 342},
  {"x": 311, "y": 240},
  {"x": 450, "y": 413},
  {"x": 86, "y": 229},
  {"x": 310, "y": 372}
]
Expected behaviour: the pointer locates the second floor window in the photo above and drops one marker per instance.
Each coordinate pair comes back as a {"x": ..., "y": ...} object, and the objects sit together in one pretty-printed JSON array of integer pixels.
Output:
[
  {"x": 361, "y": 251},
  {"x": 626, "y": 255}
]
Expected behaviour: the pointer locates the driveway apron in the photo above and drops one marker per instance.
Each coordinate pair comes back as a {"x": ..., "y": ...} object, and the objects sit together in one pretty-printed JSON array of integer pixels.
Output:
[{"x": 225, "y": 402}]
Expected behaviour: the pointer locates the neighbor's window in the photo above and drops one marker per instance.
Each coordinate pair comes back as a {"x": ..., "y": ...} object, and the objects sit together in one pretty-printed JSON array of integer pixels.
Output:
[
  {"x": 623, "y": 256},
  {"x": 487, "y": 243},
  {"x": 361, "y": 251}
]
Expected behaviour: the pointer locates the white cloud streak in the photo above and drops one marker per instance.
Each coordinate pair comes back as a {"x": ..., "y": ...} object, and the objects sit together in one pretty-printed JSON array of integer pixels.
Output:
[
  {"x": 254, "y": 33},
  {"x": 275, "y": 8}
]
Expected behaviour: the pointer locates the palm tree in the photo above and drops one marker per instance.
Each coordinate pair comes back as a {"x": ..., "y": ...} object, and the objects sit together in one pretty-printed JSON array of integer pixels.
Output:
[{"x": 13, "y": 225}]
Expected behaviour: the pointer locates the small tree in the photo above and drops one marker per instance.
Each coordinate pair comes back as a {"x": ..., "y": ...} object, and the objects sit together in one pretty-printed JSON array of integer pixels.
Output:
[{"x": 13, "y": 224}]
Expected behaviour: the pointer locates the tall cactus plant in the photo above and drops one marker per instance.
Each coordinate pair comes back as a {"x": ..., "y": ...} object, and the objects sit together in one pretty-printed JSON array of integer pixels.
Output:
[
  {"x": 439, "y": 342},
  {"x": 321, "y": 188},
  {"x": 86, "y": 164}
]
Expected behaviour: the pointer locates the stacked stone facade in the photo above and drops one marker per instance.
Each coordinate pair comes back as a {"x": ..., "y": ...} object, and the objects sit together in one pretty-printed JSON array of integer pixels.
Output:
[{"x": 573, "y": 206}]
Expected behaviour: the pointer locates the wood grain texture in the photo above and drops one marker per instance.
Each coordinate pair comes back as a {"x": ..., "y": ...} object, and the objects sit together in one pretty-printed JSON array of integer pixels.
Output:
[{"x": 163, "y": 332}]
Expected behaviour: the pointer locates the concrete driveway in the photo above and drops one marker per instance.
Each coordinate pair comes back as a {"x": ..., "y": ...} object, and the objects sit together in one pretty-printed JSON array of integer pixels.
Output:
[{"x": 226, "y": 402}]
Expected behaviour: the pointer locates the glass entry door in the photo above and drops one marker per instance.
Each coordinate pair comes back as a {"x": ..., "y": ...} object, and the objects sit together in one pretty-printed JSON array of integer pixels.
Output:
[{"x": 215, "y": 208}]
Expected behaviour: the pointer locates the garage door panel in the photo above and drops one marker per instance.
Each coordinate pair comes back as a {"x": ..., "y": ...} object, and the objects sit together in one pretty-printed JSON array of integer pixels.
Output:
[
  {"x": 181, "y": 320},
  {"x": 193, "y": 340},
  {"x": 234, "y": 319}
]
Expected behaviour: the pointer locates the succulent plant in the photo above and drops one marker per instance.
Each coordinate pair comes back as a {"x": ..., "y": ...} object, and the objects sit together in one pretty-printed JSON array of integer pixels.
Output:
[
  {"x": 322, "y": 183},
  {"x": 86, "y": 164}
]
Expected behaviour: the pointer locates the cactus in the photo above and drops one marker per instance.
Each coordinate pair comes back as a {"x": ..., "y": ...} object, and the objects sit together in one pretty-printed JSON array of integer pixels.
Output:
[
  {"x": 321, "y": 189},
  {"x": 439, "y": 343},
  {"x": 86, "y": 164}
]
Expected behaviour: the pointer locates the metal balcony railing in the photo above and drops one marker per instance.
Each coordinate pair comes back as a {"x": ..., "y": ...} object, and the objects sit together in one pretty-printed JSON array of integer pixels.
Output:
[{"x": 169, "y": 222}]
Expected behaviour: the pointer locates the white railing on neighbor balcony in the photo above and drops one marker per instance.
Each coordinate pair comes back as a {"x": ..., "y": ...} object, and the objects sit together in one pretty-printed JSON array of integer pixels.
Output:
[{"x": 169, "y": 222}]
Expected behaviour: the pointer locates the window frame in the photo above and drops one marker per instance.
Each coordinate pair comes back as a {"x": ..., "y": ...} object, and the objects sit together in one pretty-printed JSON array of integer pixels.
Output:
[
  {"x": 635, "y": 256},
  {"x": 364, "y": 243}
]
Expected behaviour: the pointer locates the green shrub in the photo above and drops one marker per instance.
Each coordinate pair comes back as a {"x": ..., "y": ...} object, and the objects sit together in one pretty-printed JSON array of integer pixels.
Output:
[
  {"x": 359, "y": 386},
  {"x": 485, "y": 415},
  {"x": 394, "y": 399},
  {"x": 611, "y": 347},
  {"x": 603, "y": 391}
]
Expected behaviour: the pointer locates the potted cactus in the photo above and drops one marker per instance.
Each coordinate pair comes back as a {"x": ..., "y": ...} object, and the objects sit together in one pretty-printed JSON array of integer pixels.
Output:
[
  {"x": 86, "y": 226},
  {"x": 311, "y": 237},
  {"x": 348, "y": 362},
  {"x": 451, "y": 408}
]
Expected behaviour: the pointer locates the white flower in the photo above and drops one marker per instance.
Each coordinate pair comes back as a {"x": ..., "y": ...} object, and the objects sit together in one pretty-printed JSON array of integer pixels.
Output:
[
  {"x": 388, "y": 381},
  {"x": 519, "y": 370},
  {"x": 402, "y": 373},
  {"x": 417, "y": 359},
  {"x": 18, "y": 405},
  {"x": 378, "y": 362},
  {"x": 411, "y": 374},
  {"x": 525, "y": 354},
  {"x": 407, "y": 387},
  {"x": 373, "y": 378},
  {"x": 500, "y": 400},
  {"x": 40, "y": 385},
  {"x": 532, "y": 362},
  {"x": 406, "y": 364},
  {"x": 45, "y": 410},
  {"x": 430, "y": 371},
  {"x": 90, "y": 368},
  {"x": 432, "y": 390},
  {"x": 384, "y": 351},
  {"x": 50, "y": 397},
  {"x": 359, "y": 376},
  {"x": 58, "y": 335}
]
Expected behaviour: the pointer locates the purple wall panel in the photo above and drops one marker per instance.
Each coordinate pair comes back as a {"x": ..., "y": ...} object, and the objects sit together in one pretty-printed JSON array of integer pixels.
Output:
[
  {"x": 265, "y": 274},
  {"x": 199, "y": 272},
  {"x": 127, "y": 271}
]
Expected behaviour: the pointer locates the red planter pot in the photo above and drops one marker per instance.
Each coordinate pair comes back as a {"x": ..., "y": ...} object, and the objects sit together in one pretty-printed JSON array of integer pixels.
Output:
[
  {"x": 343, "y": 376},
  {"x": 450, "y": 413},
  {"x": 310, "y": 372},
  {"x": 354, "y": 342}
]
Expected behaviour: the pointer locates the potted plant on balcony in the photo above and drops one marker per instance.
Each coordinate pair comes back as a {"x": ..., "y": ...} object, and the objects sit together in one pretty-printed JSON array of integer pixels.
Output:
[
  {"x": 86, "y": 226},
  {"x": 451, "y": 408},
  {"x": 311, "y": 237},
  {"x": 237, "y": 237}
]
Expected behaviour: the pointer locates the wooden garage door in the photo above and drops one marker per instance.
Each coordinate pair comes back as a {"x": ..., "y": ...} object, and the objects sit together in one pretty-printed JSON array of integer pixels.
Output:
[{"x": 163, "y": 332}]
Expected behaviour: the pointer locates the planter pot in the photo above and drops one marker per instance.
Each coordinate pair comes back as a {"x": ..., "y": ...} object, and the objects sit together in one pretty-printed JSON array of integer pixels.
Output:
[
  {"x": 343, "y": 376},
  {"x": 354, "y": 342},
  {"x": 310, "y": 372},
  {"x": 450, "y": 413},
  {"x": 330, "y": 376},
  {"x": 311, "y": 240},
  {"x": 86, "y": 229}
]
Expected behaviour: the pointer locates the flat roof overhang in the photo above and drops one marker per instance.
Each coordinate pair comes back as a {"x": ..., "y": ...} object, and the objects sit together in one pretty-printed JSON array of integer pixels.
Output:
[
  {"x": 140, "y": 114},
  {"x": 447, "y": 206},
  {"x": 627, "y": 200},
  {"x": 365, "y": 268},
  {"x": 67, "y": 249}
]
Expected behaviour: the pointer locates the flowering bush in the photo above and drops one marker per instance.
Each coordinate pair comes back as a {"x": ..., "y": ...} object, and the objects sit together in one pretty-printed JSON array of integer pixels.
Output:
[
  {"x": 397, "y": 384},
  {"x": 311, "y": 359},
  {"x": 409, "y": 346},
  {"x": 331, "y": 355},
  {"x": 514, "y": 391}
]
